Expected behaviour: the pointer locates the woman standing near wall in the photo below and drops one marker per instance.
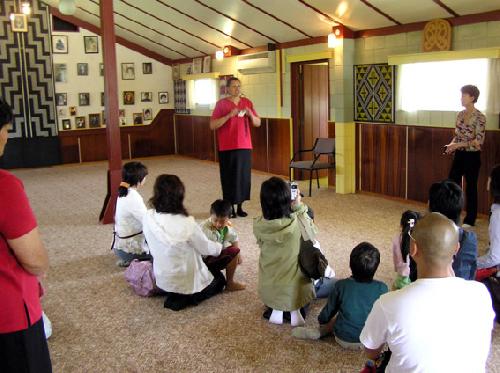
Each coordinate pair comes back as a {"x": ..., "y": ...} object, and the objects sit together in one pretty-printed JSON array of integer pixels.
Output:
[
  {"x": 231, "y": 119},
  {"x": 469, "y": 137}
]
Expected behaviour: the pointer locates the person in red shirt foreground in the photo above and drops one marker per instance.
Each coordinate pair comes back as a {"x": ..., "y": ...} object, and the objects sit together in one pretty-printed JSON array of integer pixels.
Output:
[
  {"x": 23, "y": 347},
  {"x": 231, "y": 119}
]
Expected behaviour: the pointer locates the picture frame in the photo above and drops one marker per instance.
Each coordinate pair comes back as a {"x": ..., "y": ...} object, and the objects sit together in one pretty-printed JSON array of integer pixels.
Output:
[
  {"x": 72, "y": 111},
  {"x": 121, "y": 112},
  {"x": 82, "y": 69},
  {"x": 91, "y": 44},
  {"x": 19, "y": 22},
  {"x": 66, "y": 124},
  {"x": 94, "y": 120},
  {"x": 163, "y": 97},
  {"x": 128, "y": 97},
  {"x": 62, "y": 112},
  {"x": 146, "y": 96},
  {"x": 197, "y": 65},
  {"x": 207, "y": 64},
  {"x": 60, "y": 44},
  {"x": 102, "y": 99},
  {"x": 147, "y": 114},
  {"x": 61, "y": 99},
  {"x": 147, "y": 68},
  {"x": 137, "y": 118},
  {"x": 123, "y": 121},
  {"x": 80, "y": 122},
  {"x": 101, "y": 69},
  {"x": 61, "y": 72},
  {"x": 128, "y": 71},
  {"x": 84, "y": 99},
  {"x": 103, "y": 118}
]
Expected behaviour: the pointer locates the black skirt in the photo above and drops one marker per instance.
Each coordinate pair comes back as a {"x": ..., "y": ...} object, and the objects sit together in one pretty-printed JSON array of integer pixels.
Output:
[{"x": 235, "y": 174}]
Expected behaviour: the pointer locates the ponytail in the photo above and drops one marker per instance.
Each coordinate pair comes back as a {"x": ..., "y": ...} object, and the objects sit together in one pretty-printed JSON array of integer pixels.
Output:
[
  {"x": 123, "y": 189},
  {"x": 408, "y": 221}
]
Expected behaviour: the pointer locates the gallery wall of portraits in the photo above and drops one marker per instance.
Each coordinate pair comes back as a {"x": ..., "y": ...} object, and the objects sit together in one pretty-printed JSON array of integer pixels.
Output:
[{"x": 145, "y": 85}]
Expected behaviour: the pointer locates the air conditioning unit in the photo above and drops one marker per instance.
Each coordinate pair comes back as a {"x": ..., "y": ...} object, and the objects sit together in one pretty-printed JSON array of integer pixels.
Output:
[{"x": 257, "y": 63}]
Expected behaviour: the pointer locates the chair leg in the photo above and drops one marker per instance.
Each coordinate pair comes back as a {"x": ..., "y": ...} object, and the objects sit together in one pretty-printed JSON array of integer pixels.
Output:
[
  {"x": 310, "y": 181},
  {"x": 317, "y": 177}
]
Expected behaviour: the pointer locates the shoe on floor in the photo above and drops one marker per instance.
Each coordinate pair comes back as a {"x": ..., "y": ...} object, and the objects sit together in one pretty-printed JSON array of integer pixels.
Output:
[{"x": 306, "y": 333}]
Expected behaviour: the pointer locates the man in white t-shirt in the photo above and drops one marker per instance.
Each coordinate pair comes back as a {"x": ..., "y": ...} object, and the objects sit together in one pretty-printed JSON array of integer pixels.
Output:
[{"x": 439, "y": 323}]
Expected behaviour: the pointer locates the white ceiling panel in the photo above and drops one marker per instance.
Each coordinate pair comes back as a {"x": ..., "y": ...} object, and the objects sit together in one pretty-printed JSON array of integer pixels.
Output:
[
  {"x": 463, "y": 7},
  {"x": 406, "y": 11},
  {"x": 352, "y": 13}
]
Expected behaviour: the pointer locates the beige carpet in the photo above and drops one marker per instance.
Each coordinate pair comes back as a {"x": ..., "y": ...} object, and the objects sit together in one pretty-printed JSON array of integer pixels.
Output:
[{"x": 101, "y": 326}]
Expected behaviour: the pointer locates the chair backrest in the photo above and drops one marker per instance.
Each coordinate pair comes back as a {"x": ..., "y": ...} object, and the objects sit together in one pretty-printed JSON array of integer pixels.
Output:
[{"x": 324, "y": 146}]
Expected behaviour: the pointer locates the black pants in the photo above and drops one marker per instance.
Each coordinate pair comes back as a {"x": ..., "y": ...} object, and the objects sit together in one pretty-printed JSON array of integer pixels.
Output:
[
  {"x": 177, "y": 302},
  {"x": 25, "y": 351},
  {"x": 467, "y": 164},
  {"x": 235, "y": 174}
]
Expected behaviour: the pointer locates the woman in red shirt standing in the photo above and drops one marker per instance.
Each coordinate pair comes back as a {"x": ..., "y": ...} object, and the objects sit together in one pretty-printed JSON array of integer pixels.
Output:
[
  {"x": 231, "y": 119},
  {"x": 23, "y": 347}
]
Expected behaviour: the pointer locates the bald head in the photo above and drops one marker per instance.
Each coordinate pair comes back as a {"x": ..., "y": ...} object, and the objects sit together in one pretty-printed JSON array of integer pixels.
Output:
[{"x": 436, "y": 238}]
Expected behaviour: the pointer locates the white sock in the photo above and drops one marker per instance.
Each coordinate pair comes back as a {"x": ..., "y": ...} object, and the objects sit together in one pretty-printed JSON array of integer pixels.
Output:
[
  {"x": 296, "y": 318},
  {"x": 276, "y": 317}
]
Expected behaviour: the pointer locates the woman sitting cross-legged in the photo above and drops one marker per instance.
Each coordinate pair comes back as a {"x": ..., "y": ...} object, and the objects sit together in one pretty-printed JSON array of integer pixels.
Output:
[
  {"x": 178, "y": 245},
  {"x": 282, "y": 287}
]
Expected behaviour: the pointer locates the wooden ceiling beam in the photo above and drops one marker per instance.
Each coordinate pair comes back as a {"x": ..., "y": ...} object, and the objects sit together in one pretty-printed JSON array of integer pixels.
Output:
[{"x": 379, "y": 11}]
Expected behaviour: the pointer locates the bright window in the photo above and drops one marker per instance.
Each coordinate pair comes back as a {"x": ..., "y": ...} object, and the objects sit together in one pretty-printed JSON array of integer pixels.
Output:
[
  {"x": 436, "y": 85},
  {"x": 205, "y": 92}
]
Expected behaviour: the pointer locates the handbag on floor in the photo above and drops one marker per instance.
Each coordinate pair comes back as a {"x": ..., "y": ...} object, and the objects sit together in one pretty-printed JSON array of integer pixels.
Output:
[{"x": 141, "y": 278}]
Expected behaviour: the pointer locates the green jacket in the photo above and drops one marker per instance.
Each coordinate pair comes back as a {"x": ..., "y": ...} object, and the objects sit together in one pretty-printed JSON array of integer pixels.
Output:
[{"x": 282, "y": 286}]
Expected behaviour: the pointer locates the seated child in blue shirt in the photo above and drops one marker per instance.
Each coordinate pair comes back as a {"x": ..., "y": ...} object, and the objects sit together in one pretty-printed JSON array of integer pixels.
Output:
[
  {"x": 350, "y": 301},
  {"x": 218, "y": 228}
]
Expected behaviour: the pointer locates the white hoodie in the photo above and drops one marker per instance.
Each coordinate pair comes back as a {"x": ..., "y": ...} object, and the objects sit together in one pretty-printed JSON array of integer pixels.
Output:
[{"x": 177, "y": 244}]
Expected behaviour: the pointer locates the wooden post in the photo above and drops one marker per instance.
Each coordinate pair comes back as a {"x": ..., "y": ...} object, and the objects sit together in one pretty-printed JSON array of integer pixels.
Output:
[{"x": 111, "y": 111}]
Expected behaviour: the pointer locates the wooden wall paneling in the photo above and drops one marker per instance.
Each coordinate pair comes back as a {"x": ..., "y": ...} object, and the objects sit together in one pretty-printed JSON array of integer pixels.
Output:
[
  {"x": 490, "y": 156},
  {"x": 331, "y": 135},
  {"x": 279, "y": 145},
  {"x": 69, "y": 149},
  {"x": 426, "y": 162},
  {"x": 383, "y": 159},
  {"x": 94, "y": 147},
  {"x": 185, "y": 136},
  {"x": 203, "y": 138},
  {"x": 126, "y": 151},
  {"x": 260, "y": 159}
]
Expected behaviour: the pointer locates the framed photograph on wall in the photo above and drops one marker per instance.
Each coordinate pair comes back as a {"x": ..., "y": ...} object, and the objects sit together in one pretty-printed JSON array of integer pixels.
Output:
[
  {"x": 60, "y": 44},
  {"x": 103, "y": 115},
  {"x": 207, "y": 64},
  {"x": 128, "y": 97},
  {"x": 62, "y": 112},
  {"x": 123, "y": 121},
  {"x": 121, "y": 113},
  {"x": 101, "y": 69},
  {"x": 61, "y": 99},
  {"x": 72, "y": 111},
  {"x": 197, "y": 65},
  {"x": 66, "y": 123},
  {"x": 84, "y": 99},
  {"x": 147, "y": 114},
  {"x": 82, "y": 69},
  {"x": 146, "y": 96},
  {"x": 163, "y": 97},
  {"x": 61, "y": 72},
  {"x": 102, "y": 98},
  {"x": 128, "y": 71},
  {"x": 94, "y": 120},
  {"x": 80, "y": 122},
  {"x": 147, "y": 68},
  {"x": 137, "y": 118},
  {"x": 19, "y": 22},
  {"x": 91, "y": 44}
]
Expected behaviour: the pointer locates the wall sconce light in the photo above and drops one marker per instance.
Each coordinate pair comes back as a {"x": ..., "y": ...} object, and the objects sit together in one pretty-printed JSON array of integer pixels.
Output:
[
  {"x": 26, "y": 8},
  {"x": 230, "y": 51},
  {"x": 219, "y": 55},
  {"x": 334, "y": 36}
]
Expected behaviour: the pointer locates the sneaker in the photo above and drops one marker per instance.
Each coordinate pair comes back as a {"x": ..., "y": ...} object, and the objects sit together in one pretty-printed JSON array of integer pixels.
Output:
[
  {"x": 123, "y": 263},
  {"x": 306, "y": 333},
  {"x": 467, "y": 226}
]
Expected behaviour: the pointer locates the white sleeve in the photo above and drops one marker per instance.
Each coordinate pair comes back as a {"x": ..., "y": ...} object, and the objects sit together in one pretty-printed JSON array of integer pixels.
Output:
[
  {"x": 374, "y": 333},
  {"x": 231, "y": 235},
  {"x": 492, "y": 257},
  {"x": 202, "y": 244}
]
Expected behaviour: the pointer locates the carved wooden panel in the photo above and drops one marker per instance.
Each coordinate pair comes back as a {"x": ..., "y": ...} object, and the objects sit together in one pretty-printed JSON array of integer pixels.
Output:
[{"x": 437, "y": 36}]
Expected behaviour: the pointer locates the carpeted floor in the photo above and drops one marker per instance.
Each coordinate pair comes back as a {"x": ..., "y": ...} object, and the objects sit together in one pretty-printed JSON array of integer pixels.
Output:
[{"x": 101, "y": 326}]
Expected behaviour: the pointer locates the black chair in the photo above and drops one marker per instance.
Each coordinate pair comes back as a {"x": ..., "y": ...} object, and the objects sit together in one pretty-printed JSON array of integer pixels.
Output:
[{"x": 322, "y": 146}]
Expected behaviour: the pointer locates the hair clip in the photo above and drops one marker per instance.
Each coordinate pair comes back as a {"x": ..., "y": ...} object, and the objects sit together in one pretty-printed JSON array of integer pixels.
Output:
[{"x": 411, "y": 222}]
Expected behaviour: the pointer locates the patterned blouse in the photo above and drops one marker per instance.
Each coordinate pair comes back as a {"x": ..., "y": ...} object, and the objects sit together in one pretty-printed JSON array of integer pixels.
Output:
[{"x": 473, "y": 130}]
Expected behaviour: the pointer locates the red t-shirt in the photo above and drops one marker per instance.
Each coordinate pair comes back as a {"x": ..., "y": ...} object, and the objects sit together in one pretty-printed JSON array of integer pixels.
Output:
[
  {"x": 19, "y": 290},
  {"x": 235, "y": 133}
]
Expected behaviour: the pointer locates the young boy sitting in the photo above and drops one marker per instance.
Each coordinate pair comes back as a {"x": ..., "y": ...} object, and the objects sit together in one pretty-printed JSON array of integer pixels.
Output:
[
  {"x": 350, "y": 301},
  {"x": 218, "y": 228}
]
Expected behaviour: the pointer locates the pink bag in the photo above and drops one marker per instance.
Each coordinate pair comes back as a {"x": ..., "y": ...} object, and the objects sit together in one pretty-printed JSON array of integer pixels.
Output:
[{"x": 140, "y": 276}]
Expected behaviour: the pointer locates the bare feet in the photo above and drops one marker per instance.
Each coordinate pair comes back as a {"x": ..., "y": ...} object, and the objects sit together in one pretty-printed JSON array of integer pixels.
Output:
[{"x": 235, "y": 286}]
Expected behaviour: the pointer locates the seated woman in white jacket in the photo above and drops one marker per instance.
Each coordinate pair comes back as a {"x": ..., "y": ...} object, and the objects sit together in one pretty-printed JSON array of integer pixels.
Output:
[
  {"x": 177, "y": 245},
  {"x": 128, "y": 241}
]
